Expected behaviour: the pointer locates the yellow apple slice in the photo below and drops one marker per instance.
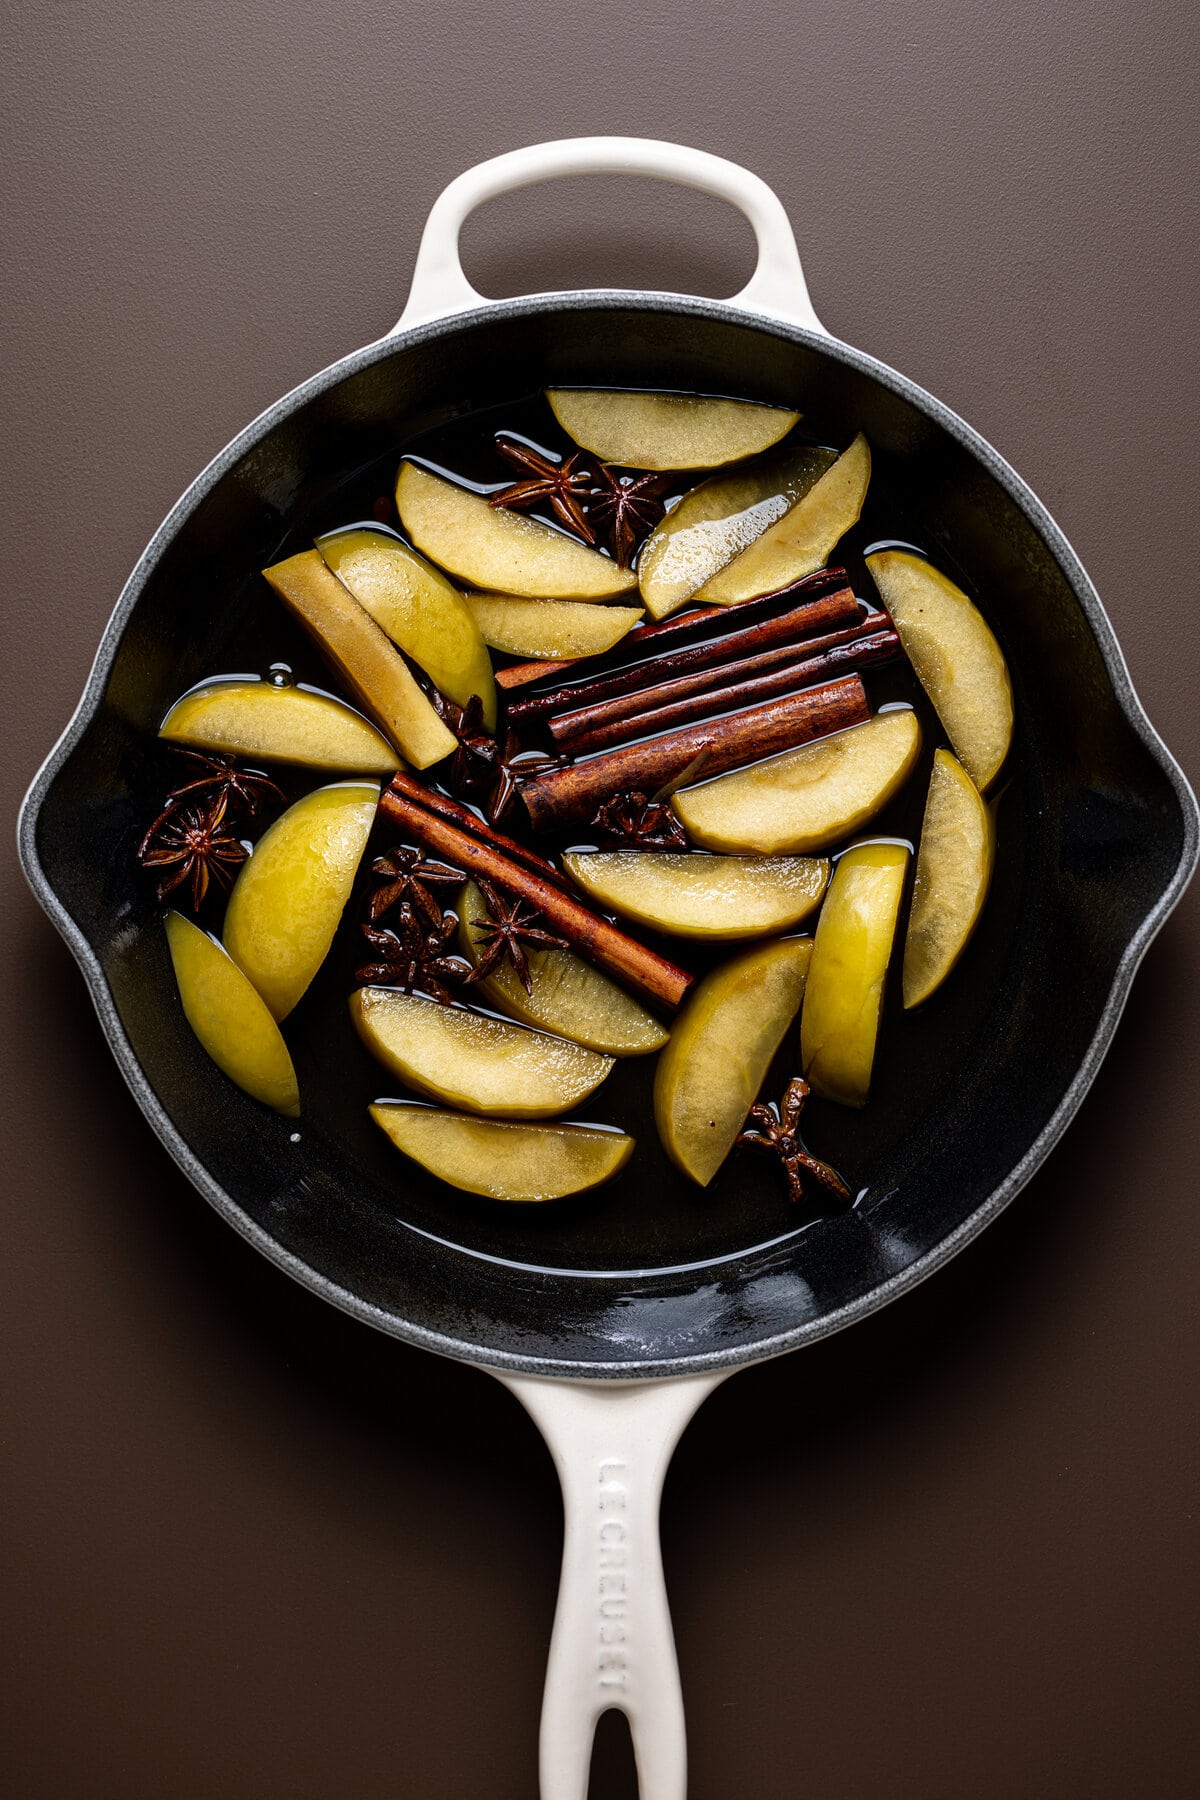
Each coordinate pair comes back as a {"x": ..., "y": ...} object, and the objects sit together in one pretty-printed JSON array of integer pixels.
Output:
[
  {"x": 803, "y": 539},
  {"x": 279, "y": 724},
  {"x": 230, "y": 1018},
  {"x": 501, "y": 1160},
  {"x": 364, "y": 657},
  {"x": 419, "y": 609},
  {"x": 473, "y": 1061},
  {"x": 958, "y": 661},
  {"x": 569, "y": 996},
  {"x": 853, "y": 945},
  {"x": 667, "y": 431},
  {"x": 718, "y": 520},
  {"x": 702, "y": 896},
  {"x": 808, "y": 798},
  {"x": 490, "y": 547},
  {"x": 550, "y": 630},
  {"x": 954, "y": 867},
  {"x": 721, "y": 1047},
  {"x": 288, "y": 899}
]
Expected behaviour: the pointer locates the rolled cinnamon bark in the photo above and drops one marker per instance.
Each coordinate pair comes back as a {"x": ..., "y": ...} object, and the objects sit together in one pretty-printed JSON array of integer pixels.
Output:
[
  {"x": 524, "y": 674},
  {"x": 647, "y": 974},
  {"x": 563, "y": 796},
  {"x": 712, "y": 691},
  {"x": 462, "y": 816},
  {"x": 680, "y": 628},
  {"x": 697, "y": 641}
]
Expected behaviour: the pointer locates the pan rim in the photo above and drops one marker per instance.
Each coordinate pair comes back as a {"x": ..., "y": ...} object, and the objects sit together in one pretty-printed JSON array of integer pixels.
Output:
[{"x": 462, "y": 1349}]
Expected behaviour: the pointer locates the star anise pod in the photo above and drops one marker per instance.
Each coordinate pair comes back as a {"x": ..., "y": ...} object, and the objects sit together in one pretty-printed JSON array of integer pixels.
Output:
[
  {"x": 625, "y": 508},
  {"x": 562, "y": 483},
  {"x": 413, "y": 957},
  {"x": 640, "y": 823},
  {"x": 243, "y": 788},
  {"x": 409, "y": 876},
  {"x": 473, "y": 765},
  {"x": 510, "y": 927},
  {"x": 484, "y": 766},
  {"x": 220, "y": 778},
  {"x": 511, "y": 764},
  {"x": 778, "y": 1135},
  {"x": 189, "y": 839}
]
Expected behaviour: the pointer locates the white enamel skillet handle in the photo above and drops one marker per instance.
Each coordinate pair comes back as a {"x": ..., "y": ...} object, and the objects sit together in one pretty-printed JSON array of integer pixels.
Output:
[
  {"x": 612, "y": 1646},
  {"x": 611, "y": 1441},
  {"x": 777, "y": 286}
]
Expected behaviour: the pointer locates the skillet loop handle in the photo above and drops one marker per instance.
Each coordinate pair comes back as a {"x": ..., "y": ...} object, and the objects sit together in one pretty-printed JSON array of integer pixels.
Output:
[
  {"x": 776, "y": 288},
  {"x": 612, "y": 1646}
]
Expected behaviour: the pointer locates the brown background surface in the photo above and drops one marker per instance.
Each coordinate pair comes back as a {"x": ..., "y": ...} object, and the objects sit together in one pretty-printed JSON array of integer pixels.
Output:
[{"x": 254, "y": 1550}]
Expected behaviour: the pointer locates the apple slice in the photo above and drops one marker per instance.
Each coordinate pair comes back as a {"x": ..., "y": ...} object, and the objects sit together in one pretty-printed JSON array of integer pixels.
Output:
[
  {"x": 550, "y": 630},
  {"x": 288, "y": 899},
  {"x": 702, "y": 896},
  {"x": 501, "y": 1160},
  {"x": 802, "y": 540},
  {"x": 230, "y": 1018},
  {"x": 721, "y": 1047},
  {"x": 718, "y": 520},
  {"x": 280, "y": 724},
  {"x": 667, "y": 431},
  {"x": 473, "y": 1061},
  {"x": 569, "y": 996},
  {"x": 363, "y": 656},
  {"x": 491, "y": 548},
  {"x": 807, "y": 798},
  {"x": 958, "y": 661},
  {"x": 419, "y": 609},
  {"x": 954, "y": 867},
  {"x": 853, "y": 945}
]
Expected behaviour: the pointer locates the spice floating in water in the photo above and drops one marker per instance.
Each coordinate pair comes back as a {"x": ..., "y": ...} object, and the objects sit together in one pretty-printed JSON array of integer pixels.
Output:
[{"x": 648, "y": 692}]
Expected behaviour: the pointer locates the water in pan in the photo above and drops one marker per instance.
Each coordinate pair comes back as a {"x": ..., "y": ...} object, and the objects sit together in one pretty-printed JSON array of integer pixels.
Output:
[{"x": 651, "y": 1216}]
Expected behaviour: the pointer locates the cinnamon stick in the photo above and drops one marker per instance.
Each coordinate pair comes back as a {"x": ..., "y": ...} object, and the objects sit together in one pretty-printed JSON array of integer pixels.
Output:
[
  {"x": 462, "y": 816},
  {"x": 649, "y": 975},
  {"x": 724, "y": 640},
  {"x": 562, "y": 796},
  {"x": 677, "y": 628},
  {"x": 710, "y": 691},
  {"x": 522, "y": 674}
]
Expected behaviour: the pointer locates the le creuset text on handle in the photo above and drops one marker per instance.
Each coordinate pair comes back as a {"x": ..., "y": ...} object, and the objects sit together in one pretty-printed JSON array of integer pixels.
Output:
[{"x": 612, "y": 1646}]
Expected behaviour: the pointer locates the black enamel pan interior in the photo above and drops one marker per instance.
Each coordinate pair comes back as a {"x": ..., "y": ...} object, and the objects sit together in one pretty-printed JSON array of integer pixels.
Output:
[{"x": 1098, "y": 836}]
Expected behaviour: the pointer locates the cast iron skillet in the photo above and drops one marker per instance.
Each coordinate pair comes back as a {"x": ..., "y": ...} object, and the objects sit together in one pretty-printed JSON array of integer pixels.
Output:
[{"x": 1102, "y": 842}]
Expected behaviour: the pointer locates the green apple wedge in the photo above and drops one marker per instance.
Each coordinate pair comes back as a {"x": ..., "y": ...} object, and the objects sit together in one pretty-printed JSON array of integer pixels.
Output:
[
  {"x": 702, "y": 896},
  {"x": 291, "y": 724},
  {"x": 567, "y": 995},
  {"x": 502, "y": 1160},
  {"x": 288, "y": 898},
  {"x": 667, "y": 431},
  {"x": 851, "y": 952},
  {"x": 956, "y": 657},
  {"x": 950, "y": 884},
  {"x": 230, "y": 1018},
  {"x": 491, "y": 548},
  {"x": 472, "y": 1061},
  {"x": 363, "y": 655},
  {"x": 719, "y": 519},
  {"x": 550, "y": 630},
  {"x": 419, "y": 609},
  {"x": 803, "y": 539},
  {"x": 808, "y": 798},
  {"x": 721, "y": 1047}
]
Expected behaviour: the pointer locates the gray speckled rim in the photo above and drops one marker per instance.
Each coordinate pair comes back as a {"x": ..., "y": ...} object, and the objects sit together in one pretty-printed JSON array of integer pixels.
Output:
[{"x": 1038, "y": 1151}]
